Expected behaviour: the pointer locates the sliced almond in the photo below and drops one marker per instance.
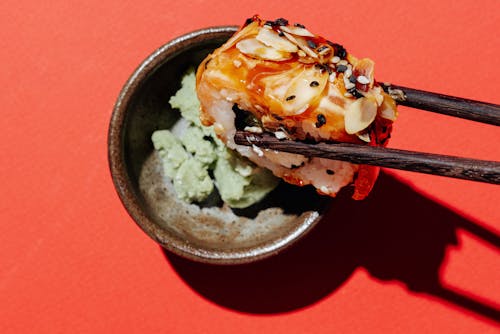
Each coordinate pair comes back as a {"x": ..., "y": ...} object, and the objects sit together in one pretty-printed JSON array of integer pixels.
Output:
[
  {"x": 301, "y": 94},
  {"x": 388, "y": 109},
  {"x": 360, "y": 114},
  {"x": 365, "y": 68},
  {"x": 271, "y": 38},
  {"x": 297, "y": 31},
  {"x": 243, "y": 33},
  {"x": 365, "y": 136},
  {"x": 253, "y": 48},
  {"x": 301, "y": 42}
]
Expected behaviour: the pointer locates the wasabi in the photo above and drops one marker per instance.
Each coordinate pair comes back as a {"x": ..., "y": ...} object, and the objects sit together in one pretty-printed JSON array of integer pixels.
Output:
[{"x": 190, "y": 159}]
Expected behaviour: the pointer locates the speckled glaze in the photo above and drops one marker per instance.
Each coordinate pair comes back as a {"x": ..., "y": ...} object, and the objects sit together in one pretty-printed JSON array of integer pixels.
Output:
[{"x": 211, "y": 234}]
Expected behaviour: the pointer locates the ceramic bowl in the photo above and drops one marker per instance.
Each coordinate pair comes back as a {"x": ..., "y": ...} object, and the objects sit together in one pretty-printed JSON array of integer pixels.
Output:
[{"x": 213, "y": 233}]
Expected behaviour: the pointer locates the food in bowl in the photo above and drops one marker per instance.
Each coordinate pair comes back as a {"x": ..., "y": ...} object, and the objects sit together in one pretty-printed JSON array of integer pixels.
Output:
[
  {"x": 278, "y": 77},
  {"x": 198, "y": 163}
]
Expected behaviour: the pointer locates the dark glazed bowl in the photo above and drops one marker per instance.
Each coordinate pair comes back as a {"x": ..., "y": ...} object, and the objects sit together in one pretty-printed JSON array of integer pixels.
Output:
[{"x": 211, "y": 234}]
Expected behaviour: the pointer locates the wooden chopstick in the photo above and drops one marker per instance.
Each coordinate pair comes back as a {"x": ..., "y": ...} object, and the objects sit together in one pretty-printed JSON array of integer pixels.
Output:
[
  {"x": 444, "y": 104},
  {"x": 436, "y": 164}
]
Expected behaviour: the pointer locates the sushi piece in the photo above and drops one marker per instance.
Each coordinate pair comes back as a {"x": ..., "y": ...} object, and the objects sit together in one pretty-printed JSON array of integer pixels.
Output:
[{"x": 272, "y": 76}]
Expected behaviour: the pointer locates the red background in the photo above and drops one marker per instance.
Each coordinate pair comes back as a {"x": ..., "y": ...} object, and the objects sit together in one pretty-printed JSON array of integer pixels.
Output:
[{"x": 422, "y": 255}]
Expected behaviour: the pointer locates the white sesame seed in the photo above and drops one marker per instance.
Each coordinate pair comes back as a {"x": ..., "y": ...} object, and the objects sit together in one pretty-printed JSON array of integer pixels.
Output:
[
  {"x": 347, "y": 73},
  {"x": 335, "y": 59},
  {"x": 363, "y": 80},
  {"x": 332, "y": 77},
  {"x": 253, "y": 129},
  {"x": 349, "y": 85},
  {"x": 257, "y": 150},
  {"x": 324, "y": 189},
  {"x": 346, "y": 94},
  {"x": 280, "y": 135},
  {"x": 343, "y": 62}
]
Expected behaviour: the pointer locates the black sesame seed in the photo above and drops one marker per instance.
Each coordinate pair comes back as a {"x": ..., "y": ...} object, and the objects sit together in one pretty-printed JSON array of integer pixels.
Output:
[
  {"x": 279, "y": 118},
  {"x": 289, "y": 98},
  {"x": 355, "y": 93},
  {"x": 341, "y": 68},
  {"x": 281, "y": 22},
  {"x": 281, "y": 33},
  {"x": 322, "y": 68},
  {"x": 314, "y": 84},
  {"x": 330, "y": 172},
  {"x": 340, "y": 51},
  {"x": 322, "y": 48},
  {"x": 321, "y": 120},
  {"x": 300, "y": 25},
  {"x": 269, "y": 23},
  {"x": 311, "y": 44},
  {"x": 352, "y": 79},
  {"x": 248, "y": 21}
]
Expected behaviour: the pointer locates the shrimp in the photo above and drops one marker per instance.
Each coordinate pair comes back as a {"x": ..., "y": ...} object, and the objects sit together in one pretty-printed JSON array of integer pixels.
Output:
[{"x": 277, "y": 77}]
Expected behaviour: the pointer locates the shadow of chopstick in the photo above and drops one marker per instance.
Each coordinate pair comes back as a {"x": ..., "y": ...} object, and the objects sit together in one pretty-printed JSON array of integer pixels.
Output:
[{"x": 396, "y": 234}]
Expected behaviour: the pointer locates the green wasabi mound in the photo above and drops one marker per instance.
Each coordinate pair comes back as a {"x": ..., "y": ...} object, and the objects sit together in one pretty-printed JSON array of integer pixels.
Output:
[
  {"x": 191, "y": 158},
  {"x": 170, "y": 150},
  {"x": 240, "y": 182}
]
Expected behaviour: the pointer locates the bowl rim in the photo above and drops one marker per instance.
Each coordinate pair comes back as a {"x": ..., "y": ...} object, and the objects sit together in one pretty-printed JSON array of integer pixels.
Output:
[{"x": 124, "y": 188}]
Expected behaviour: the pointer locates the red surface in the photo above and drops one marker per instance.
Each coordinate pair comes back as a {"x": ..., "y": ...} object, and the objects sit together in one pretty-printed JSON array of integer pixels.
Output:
[{"x": 72, "y": 260}]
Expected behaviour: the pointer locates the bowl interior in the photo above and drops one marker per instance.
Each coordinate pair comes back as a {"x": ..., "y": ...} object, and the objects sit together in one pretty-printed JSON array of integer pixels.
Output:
[{"x": 213, "y": 233}]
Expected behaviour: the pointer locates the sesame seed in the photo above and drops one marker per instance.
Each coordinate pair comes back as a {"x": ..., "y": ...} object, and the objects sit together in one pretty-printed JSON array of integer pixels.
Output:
[
  {"x": 343, "y": 62},
  {"x": 354, "y": 92},
  {"x": 347, "y": 94},
  {"x": 314, "y": 84},
  {"x": 321, "y": 120},
  {"x": 339, "y": 49},
  {"x": 289, "y": 98},
  {"x": 352, "y": 79},
  {"x": 300, "y": 25},
  {"x": 281, "y": 22},
  {"x": 281, "y": 33},
  {"x": 335, "y": 60},
  {"x": 341, "y": 68},
  {"x": 280, "y": 135},
  {"x": 332, "y": 77},
  {"x": 311, "y": 44},
  {"x": 257, "y": 150},
  {"x": 363, "y": 80},
  {"x": 322, "y": 48},
  {"x": 253, "y": 129},
  {"x": 330, "y": 172},
  {"x": 349, "y": 85}
]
